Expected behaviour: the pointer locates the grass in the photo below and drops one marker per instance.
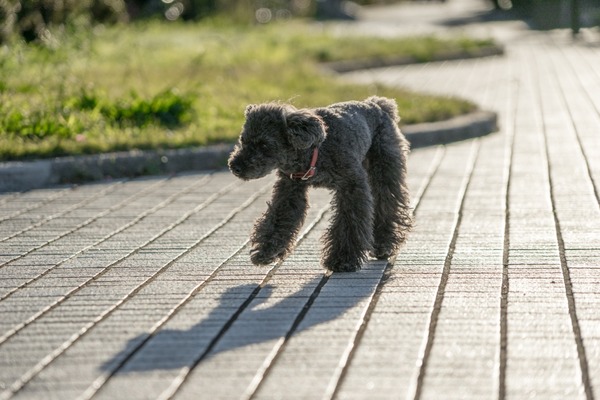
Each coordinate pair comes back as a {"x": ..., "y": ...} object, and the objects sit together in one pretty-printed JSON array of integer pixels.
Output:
[
  {"x": 422, "y": 49},
  {"x": 157, "y": 85}
]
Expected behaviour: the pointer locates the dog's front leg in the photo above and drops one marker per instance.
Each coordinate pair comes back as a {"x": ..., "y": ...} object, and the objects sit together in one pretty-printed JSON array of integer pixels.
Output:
[
  {"x": 350, "y": 235},
  {"x": 275, "y": 232}
]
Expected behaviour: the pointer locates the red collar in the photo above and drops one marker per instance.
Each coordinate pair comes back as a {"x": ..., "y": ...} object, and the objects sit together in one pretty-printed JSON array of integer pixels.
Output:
[{"x": 304, "y": 176}]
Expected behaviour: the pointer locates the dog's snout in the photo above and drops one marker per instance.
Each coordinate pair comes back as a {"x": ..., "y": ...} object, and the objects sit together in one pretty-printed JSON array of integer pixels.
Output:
[
  {"x": 236, "y": 169},
  {"x": 234, "y": 164}
]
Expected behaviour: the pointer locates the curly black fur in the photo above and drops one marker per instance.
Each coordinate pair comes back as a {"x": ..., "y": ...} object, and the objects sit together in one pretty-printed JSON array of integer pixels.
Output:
[{"x": 362, "y": 159}]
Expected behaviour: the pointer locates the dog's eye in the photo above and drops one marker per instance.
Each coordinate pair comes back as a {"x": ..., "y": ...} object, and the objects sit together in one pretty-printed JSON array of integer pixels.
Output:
[{"x": 263, "y": 146}]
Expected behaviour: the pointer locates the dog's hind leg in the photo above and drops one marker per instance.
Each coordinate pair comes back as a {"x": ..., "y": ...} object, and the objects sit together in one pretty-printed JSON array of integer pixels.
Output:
[
  {"x": 349, "y": 237},
  {"x": 275, "y": 232},
  {"x": 386, "y": 161}
]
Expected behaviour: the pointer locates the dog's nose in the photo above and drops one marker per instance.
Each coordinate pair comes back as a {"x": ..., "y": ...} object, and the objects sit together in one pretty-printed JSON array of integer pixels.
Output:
[{"x": 236, "y": 169}]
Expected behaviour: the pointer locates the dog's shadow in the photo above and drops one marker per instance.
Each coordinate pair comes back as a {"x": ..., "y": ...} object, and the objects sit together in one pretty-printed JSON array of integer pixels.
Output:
[{"x": 258, "y": 323}]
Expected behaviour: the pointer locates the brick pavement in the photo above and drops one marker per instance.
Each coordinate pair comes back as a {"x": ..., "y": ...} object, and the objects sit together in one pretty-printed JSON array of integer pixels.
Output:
[{"x": 143, "y": 288}]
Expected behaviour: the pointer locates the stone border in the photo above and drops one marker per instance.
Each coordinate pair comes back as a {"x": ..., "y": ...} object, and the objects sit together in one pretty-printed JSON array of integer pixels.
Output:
[
  {"x": 24, "y": 175},
  {"x": 468, "y": 126}
]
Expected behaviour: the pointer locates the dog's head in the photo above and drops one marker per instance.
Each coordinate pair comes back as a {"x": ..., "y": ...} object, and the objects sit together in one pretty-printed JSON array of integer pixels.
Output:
[{"x": 271, "y": 137}]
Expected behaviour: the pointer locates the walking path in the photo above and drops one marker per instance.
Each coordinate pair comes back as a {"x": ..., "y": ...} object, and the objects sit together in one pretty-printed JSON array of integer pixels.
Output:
[{"x": 143, "y": 289}]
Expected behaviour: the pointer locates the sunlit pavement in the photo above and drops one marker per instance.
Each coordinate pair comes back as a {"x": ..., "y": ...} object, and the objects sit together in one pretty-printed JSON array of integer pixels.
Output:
[{"x": 144, "y": 288}]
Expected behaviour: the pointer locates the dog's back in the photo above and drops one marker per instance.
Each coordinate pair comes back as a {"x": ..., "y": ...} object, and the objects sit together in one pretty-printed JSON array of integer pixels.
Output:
[
  {"x": 354, "y": 124},
  {"x": 388, "y": 106}
]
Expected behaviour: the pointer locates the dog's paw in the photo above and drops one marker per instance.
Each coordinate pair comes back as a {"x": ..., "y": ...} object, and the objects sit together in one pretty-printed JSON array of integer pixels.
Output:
[
  {"x": 382, "y": 254},
  {"x": 264, "y": 256},
  {"x": 344, "y": 266},
  {"x": 344, "y": 262},
  {"x": 384, "y": 249},
  {"x": 259, "y": 258}
]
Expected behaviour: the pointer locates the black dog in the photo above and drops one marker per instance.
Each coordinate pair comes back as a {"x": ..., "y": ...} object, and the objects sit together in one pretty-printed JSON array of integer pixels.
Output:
[{"x": 355, "y": 149}]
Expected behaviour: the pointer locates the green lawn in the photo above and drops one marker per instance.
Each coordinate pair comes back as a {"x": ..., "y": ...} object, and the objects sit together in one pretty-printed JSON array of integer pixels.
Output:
[{"x": 175, "y": 85}]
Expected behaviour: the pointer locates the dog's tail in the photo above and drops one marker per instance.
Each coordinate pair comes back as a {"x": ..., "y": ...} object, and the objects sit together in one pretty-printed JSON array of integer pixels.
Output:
[{"x": 389, "y": 106}]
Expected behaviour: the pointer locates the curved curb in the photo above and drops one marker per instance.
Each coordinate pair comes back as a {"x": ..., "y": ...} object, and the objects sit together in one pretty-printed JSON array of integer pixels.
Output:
[
  {"x": 478, "y": 123},
  {"x": 24, "y": 175}
]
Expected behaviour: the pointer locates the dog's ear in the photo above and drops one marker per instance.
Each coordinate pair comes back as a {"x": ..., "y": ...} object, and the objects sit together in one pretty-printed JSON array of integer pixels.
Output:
[
  {"x": 249, "y": 108},
  {"x": 267, "y": 113},
  {"x": 305, "y": 129}
]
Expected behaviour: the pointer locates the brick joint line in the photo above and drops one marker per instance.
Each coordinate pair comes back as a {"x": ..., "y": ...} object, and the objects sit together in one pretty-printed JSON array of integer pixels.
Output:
[
  {"x": 75, "y": 206},
  {"x": 128, "y": 225},
  {"x": 42, "y": 203},
  {"x": 46, "y": 309},
  {"x": 182, "y": 378},
  {"x": 586, "y": 158},
  {"x": 97, "y": 385},
  {"x": 435, "y": 165},
  {"x": 439, "y": 298},
  {"x": 253, "y": 389},
  {"x": 581, "y": 352},
  {"x": 101, "y": 381},
  {"x": 19, "y": 384},
  {"x": 504, "y": 288}
]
